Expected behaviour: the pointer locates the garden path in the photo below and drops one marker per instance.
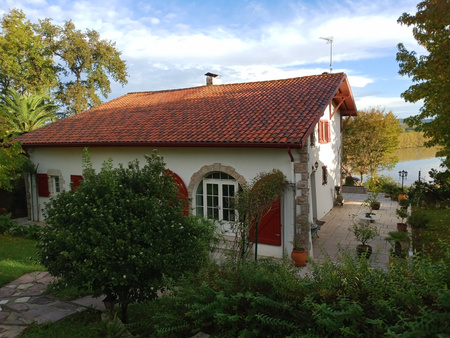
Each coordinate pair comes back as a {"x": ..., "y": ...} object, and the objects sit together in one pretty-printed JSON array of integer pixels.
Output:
[{"x": 22, "y": 302}]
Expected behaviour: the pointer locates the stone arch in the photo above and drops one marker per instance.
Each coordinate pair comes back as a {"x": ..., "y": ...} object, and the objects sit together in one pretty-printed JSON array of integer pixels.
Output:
[{"x": 206, "y": 169}]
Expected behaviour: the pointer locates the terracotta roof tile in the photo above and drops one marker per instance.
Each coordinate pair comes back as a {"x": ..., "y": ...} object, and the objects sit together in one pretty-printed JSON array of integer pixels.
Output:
[{"x": 265, "y": 113}]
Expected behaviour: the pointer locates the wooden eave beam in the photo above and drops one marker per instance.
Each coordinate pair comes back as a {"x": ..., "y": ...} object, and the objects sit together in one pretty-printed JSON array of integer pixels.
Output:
[{"x": 341, "y": 97}]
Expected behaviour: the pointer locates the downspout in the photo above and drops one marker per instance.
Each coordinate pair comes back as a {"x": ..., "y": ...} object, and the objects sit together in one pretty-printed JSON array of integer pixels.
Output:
[
  {"x": 293, "y": 192},
  {"x": 37, "y": 194}
]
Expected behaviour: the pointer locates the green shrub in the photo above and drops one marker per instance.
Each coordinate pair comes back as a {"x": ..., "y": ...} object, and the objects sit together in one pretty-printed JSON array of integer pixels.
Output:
[
  {"x": 435, "y": 193},
  {"x": 31, "y": 231},
  {"x": 121, "y": 231},
  {"x": 270, "y": 299},
  {"x": 418, "y": 219},
  {"x": 6, "y": 222},
  {"x": 388, "y": 185}
]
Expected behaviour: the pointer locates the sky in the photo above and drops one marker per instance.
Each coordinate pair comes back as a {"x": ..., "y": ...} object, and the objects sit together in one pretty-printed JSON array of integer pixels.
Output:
[{"x": 171, "y": 44}]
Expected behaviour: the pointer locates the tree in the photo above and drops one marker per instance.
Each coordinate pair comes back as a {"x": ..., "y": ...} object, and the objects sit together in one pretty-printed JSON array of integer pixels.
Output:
[
  {"x": 83, "y": 66},
  {"x": 86, "y": 61},
  {"x": 26, "y": 113},
  {"x": 431, "y": 72},
  {"x": 26, "y": 63},
  {"x": 12, "y": 157},
  {"x": 369, "y": 141},
  {"x": 121, "y": 231}
]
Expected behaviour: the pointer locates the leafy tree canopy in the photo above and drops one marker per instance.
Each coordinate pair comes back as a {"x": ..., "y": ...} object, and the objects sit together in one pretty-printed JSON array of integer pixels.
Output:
[
  {"x": 74, "y": 66},
  {"x": 431, "y": 72},
  {"x": 25, "y": 113},
  {"x": 12, "y": 158},
  {"x": 369, "y": 140},
  {"x": 26, "y": 63},
  {"x": 121, "y": 231}
]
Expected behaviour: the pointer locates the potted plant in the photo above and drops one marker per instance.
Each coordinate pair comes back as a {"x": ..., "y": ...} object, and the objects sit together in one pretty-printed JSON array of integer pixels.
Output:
[
  {"x": 340, "y": 199},
  {"x": 401, "y": 196},
  {"x": 299, "y": 254},
  {"x": 400, "y": 243},
  {"x": 372, "y": 202},
  {"x": 402, "y": 214},
  {"x": 364, "y": 232}
]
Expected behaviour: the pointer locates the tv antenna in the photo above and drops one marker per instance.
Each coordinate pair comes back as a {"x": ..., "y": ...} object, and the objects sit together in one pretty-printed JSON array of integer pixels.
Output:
[{"x": 329, "y": 40}]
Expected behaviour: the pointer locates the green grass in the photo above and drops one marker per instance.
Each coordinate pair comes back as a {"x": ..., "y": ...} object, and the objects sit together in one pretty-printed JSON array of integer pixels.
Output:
[
  {"x": 17, "y": 257},
  {"x": 437, "y": 230},
  {"x": 81, "y": 325}
]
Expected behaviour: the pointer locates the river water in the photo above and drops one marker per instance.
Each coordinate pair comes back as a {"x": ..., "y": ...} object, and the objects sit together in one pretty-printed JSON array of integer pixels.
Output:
[{"x": 416, "y": 161}]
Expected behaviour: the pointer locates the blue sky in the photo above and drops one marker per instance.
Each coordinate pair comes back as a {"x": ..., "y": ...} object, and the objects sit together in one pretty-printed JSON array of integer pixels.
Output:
[{"x": 169, "y": 44}]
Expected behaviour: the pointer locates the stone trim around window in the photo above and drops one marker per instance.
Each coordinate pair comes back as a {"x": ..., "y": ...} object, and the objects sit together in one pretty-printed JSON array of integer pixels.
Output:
[
  {"x": 52, "y": 174},
  {"x": 207, "y": 169}
]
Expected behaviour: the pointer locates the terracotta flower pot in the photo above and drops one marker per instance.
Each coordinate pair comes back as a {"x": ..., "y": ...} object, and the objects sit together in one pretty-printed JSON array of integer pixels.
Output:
[
  {"x": 299, "y": 257},
  {"x": 402, "y": 196}
]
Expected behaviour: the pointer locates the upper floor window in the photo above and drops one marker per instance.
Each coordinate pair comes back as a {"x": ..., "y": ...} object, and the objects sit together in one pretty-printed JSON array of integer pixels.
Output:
[
  {"x": 214, "y": 195},
  {"x": 324, "y": 131}
]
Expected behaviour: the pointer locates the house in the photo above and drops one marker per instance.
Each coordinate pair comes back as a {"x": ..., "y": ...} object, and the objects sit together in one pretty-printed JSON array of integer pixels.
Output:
[{"x": 213, "y": 138}]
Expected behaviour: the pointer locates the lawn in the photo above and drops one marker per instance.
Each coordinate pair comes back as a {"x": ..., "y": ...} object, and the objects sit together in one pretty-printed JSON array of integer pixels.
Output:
[
  {"x": 17, "y": 257},
  {"x": 437, "y": 230}
]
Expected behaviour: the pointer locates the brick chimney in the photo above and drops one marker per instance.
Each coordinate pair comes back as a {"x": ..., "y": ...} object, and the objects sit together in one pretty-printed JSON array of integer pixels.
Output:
[{"x": 212, "y": 79}]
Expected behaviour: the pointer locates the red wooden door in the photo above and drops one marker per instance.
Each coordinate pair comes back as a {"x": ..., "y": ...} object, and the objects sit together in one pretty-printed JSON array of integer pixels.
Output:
[{"x": 269, "y": 230}]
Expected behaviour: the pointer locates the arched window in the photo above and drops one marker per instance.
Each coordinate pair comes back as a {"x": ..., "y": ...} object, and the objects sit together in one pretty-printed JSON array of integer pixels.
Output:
[{"x": 213, "y": 196}]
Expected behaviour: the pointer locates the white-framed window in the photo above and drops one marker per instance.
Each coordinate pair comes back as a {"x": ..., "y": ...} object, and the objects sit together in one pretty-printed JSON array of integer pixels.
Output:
[
  {"x": 213, "y": 198},
  {"x": 56, "y": 184}
]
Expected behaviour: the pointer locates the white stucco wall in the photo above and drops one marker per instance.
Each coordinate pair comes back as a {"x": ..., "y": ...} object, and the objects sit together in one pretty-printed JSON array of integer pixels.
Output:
[
  {"x": 247, "y": 162},
  {"x": 329, "y": 155}
]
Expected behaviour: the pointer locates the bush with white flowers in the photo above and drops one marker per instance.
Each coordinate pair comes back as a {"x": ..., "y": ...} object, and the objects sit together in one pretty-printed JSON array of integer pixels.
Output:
[{"x": 121, "y": 231}]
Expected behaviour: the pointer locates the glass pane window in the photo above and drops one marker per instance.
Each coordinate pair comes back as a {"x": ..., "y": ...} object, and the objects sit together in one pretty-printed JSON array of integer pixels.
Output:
[
  {"x": 227, "y": 195},
  {"x": 56, "y": 185},
  {"x": 214, "y": 195}
]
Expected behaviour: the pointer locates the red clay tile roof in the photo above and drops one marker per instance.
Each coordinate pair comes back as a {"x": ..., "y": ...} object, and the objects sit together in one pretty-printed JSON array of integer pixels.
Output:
[{"x": 263, "y": 114}]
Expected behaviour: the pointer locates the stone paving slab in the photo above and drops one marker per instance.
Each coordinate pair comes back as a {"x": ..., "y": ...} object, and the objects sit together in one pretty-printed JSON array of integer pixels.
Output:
[{"x": 22, "y": 303}]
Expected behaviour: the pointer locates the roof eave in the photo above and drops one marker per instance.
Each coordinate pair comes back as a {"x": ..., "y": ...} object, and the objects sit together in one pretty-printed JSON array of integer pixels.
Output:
[{"x": 163, "y": 144}]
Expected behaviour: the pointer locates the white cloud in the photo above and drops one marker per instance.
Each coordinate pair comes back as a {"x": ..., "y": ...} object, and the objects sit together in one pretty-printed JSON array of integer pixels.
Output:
[
  {"x": 162, "y": 41},
  {"x": 397, "y": 105}
]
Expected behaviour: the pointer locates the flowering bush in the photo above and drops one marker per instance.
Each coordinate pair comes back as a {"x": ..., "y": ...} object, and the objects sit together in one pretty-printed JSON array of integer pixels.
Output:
[{"x": 121, "y": 231}]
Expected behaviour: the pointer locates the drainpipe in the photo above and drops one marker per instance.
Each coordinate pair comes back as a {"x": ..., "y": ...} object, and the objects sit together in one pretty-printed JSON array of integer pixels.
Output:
[{"x": 293, "y": 191}]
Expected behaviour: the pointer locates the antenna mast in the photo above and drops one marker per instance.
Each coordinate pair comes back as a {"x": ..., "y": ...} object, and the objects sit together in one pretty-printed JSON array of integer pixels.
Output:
[{"x": 329, "y": 40}]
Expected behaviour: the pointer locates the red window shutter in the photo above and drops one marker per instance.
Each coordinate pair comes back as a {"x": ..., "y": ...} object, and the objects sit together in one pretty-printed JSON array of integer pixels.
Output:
[
  {"x": 321, "y": 132},
  {"x": 42, "y": 184},
  {"x": 75, "y": 181},
  {"x": 327, "y": 131},
  {"x": 324, "y": 131}
]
